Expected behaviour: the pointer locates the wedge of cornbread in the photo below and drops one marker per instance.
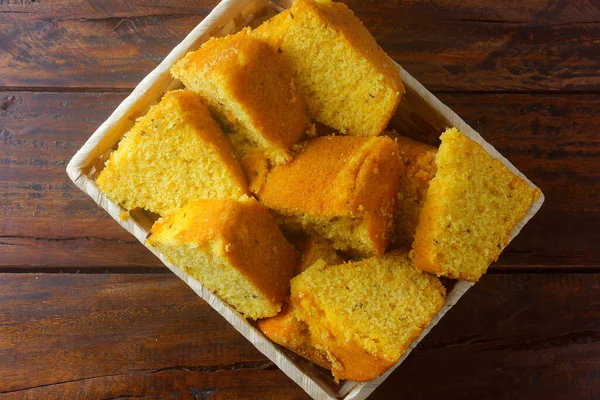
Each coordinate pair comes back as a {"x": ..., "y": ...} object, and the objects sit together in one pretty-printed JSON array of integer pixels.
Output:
[
  {"x": 365, "y": 314},
  {"x": 341, "y": 188},
  {"x": 348, "y": 81},
  {"x": 234, "y": 248},
  {"x": 174, "y": 154},
  {"x": 251, "y": 90},
  {"x": 472, "y": 206}
]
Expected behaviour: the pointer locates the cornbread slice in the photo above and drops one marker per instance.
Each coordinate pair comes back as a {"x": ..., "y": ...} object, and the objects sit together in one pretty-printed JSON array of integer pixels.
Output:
[
  {"x": 342, "y": 188},
  {"x": 288, "y": 331},
  {"x": 419, "y": 169},
  {"x": 251, "y": 90},
  {"x": 174, "y": 154},
  {"x": 368, "y": 312},
  {"x": 350, "y": 84},
  {"x": 234, "y": 248},
  {"x": 472, "y": 206}
]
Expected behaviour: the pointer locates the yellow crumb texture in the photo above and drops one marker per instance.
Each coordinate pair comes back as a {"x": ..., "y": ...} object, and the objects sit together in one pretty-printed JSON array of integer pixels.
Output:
[
  {"x": 174, "y": 154},
  {"x": 365, "y": 314},
  {"x": 472, "y": 206},
  {"x": 288, "y": 331},
  {"x": 251, "y": 90},
  {"x": 349, "y": 83},
  {"x": 341, "y": 188},
  {"x": 419, "y": 168},
  {"x": 234, "y": 248}
]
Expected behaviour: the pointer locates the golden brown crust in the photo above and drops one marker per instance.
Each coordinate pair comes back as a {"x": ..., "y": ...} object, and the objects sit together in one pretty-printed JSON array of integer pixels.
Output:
[
  {"x": 250, "y": 240},
  {"x": 256, "y": 167},
  {"x": 338, "y": 176},
  {"x": 245, "y": 82},
  {"x": 472, "y": 206},
  {"x": 260, "y": 251},
  {"x": 356, "y": 364}
]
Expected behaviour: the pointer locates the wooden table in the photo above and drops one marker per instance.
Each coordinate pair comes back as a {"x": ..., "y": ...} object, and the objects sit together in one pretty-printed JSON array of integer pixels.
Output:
[{"x": 86, "y": 310}]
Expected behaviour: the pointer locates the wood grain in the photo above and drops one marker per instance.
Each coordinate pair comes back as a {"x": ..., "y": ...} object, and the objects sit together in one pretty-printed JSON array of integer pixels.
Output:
[
  {"x": 45, "y": 220},
  {"x": 514, "y": 46},
  {"x": 112, "y": 336},
  {"x": 65, "y": 327},
  {"x": 551, "y": 138}
]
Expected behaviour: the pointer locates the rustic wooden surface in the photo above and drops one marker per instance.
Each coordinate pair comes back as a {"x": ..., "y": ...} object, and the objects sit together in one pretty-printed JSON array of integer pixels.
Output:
[
  {"x": 85, "y": 309},
  {"x": 99, "y": 333}
]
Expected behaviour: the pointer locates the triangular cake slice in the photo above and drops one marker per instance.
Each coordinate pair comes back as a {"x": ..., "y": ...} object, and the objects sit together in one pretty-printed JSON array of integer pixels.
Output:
[
  {"x": 367, "y": 313},
  {"x": 174, "y": 154},
  {"x": 472, "y": 206},
  {"x": 234, "y": 248}
]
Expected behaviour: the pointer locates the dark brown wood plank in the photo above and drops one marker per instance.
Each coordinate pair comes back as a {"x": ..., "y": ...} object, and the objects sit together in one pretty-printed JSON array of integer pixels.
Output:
[
  {"x": 111, "y": 336},
  {"x": 70, "y": 327},
  {"x": 44, "y": 219},
  {"x": 551, "y": 138},
  {"x": 178, "y": 383},
  {"x": 517, "y": 46}
]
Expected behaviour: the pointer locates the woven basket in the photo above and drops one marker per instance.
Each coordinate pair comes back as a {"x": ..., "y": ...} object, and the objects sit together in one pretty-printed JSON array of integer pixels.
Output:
[{"x": 420, "y": 113}]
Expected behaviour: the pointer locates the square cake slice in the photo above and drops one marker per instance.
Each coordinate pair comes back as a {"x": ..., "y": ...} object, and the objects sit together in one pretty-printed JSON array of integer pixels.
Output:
[
  {"x": 174, "y": 154},
  {"x": 251, "y": 90},
  {"x": 234, "y": 248},
  {"x": 348, "y": 81},
  {"x": 341, "y": 188},
  {"x": 367, "y": 313},
  {"x": 472, "y": 206}
]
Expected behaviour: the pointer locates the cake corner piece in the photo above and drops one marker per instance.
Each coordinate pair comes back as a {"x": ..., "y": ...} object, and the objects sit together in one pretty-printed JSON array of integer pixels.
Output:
[
  {"x": 234, "y": 248},
  {"x": 473, "y": 204}
]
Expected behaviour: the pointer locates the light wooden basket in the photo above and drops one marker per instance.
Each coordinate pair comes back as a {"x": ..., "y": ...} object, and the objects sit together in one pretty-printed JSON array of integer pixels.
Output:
[{"x": 420, "y": 113}]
